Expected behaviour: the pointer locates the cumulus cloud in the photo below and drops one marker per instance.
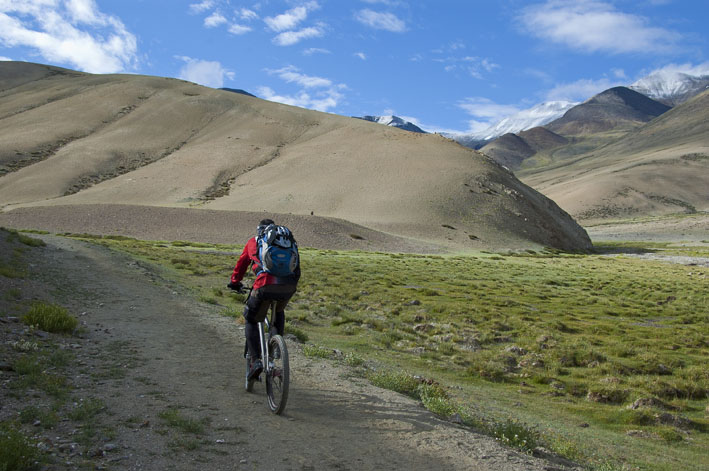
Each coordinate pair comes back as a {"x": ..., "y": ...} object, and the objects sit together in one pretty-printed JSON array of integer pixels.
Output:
[
  {"x": 291, "y": 18},
  {"x": 3, "y": 58},
  {"x": 238, "y": 29},
  {"x": 201, "y": 6},
  {"x": 288, "y": 38},
  {"x": 246, "y": 14},
  {"x": 214, "y": 20},
  {"x": 316, "y": 93},
  {"x": 595, "y": 26},
  {"x": 207, "y": 73},
  {"x": 380, "y": 20},
  {"x": 70, "y": 32}
]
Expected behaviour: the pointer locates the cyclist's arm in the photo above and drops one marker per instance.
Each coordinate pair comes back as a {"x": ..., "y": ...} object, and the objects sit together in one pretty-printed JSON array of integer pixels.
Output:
[{"x": 242, "y": 265}]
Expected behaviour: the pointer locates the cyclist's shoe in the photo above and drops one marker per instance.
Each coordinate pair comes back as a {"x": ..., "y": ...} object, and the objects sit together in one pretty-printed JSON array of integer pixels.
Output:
[{"x": 256, "y": 369}]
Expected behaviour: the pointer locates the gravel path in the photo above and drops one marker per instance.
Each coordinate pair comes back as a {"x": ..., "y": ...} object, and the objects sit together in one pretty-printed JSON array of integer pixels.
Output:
[{"x": 175, "y": 353}]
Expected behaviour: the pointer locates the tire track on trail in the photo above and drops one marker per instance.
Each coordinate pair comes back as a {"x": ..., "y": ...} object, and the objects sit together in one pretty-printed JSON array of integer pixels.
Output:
[{"x": 181, "y": 355}]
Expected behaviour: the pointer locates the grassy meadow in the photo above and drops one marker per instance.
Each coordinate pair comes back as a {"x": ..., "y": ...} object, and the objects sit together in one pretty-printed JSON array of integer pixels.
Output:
[{"x": 602, "y": 358}]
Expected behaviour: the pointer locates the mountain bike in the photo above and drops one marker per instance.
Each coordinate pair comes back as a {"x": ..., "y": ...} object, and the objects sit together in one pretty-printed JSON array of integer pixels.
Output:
[{"x": 276, "y": 369}]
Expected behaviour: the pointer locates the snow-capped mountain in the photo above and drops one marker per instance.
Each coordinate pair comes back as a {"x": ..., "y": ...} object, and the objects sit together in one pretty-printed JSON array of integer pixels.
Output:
[
  {"x": 673, "y": 85},
  {"x": 538, "y": 115},
  {"x": 393, "y": 121}
]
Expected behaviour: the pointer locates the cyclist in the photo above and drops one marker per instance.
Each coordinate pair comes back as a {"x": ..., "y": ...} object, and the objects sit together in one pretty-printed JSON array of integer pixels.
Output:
[{"x": 266, "y": 288}]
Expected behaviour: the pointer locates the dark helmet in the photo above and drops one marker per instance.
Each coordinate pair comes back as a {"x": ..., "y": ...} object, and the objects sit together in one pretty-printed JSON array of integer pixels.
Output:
[{"x": 263, "y": 225}]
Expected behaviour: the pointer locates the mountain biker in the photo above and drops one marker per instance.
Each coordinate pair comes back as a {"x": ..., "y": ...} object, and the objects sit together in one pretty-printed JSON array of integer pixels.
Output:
[{"x": 266, "y": 288}]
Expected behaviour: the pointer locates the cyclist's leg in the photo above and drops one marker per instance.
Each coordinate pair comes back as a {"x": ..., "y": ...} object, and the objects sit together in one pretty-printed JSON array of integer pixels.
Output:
[
  {"x": 280, "y": 320},
  {"x": 253, "y": 314}
]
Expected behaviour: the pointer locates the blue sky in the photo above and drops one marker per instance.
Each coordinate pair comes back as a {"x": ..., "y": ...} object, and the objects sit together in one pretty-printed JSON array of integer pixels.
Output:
[{"x": 446, "y": 65}]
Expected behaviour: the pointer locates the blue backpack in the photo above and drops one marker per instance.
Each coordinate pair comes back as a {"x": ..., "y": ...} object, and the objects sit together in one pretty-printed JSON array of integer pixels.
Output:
[{"x": 277, "y": 251}]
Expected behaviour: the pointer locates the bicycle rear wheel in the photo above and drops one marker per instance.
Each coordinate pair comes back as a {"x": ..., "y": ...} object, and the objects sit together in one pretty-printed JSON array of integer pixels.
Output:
[{"x": 277, "y": 377}]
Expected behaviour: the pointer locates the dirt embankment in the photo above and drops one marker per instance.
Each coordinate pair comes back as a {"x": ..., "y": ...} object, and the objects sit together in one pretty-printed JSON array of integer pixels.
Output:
[{"x": 150, "y": 348}]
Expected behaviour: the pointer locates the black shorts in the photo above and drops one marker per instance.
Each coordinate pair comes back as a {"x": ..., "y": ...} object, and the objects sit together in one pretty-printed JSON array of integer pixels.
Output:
[{"x": 259, "y": 301}]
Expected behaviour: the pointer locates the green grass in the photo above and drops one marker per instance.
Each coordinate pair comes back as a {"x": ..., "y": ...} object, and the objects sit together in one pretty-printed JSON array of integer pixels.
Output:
[
  {"x": 13, "y": 236},
  {"x": 174, "y": 418},
  {"x": 525, "y": 344},
  {"x": 50, "y": 318},
  {"x": 17, "y": 451}
]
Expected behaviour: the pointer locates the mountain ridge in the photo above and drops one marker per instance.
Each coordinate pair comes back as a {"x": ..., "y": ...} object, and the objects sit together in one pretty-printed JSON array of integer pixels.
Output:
[{"x": 140, "y": 140}]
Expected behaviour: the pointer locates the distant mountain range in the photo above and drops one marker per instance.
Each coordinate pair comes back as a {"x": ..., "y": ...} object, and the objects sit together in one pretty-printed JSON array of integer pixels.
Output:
[
  {"x": 393, "y": 121},
  {"x": 538, "y": 115},
  {"x": 669, "y": 87}
]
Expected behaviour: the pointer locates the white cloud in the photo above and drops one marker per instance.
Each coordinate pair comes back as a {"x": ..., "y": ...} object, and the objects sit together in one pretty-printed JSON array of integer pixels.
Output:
[
  {"x": 288, "y": 38},
  {"x": 214, "y": 20},
  {"x": 580, "y": 90},
  {"x": 238, "y": 29},
  {"x": 316, "y": 93},
  {"x": 379, "y": 20},
  {"x": 246, "y": 14},
  {"x": 207, "y": 73},
  {"x": 315, "y": 50},
  {"x": 3, "y": 58},
  {"x": 595, "y": 26},
  {"x": 688, "y": 69},
  {"x": 475, "y": 66},
  {"x": 361, "y": 55},
  {"x": 70, "y": 32},
  {"x": 486, "y": 113},
  {"x": 291, "y": 74},
  {"x": 290, "y": 19},
  {"x": 202, "y": 6}
]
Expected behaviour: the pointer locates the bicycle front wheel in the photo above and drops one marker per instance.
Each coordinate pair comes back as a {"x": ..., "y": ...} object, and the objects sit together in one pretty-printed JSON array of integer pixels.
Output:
[{"x": 278, "y": 376}]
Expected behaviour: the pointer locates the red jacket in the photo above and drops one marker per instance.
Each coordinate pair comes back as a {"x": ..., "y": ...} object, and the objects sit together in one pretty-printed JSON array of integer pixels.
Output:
[{"x": 249, "y": 257}]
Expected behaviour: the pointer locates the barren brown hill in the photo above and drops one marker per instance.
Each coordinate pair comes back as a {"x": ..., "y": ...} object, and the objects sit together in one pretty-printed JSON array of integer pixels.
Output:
[
  {"x": 659, "y": 168},
  {"x": 540, "y": 138},
  {"x": 512, "y": 150},
  {"x": 509, "y": 150},
  {"x": 618, "y": 107},
  {"x": 72, "y": 139}
]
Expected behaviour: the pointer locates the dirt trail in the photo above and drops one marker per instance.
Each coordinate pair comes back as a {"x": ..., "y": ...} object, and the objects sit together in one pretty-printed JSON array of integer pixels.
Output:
[{"x": 165, "y": 350}]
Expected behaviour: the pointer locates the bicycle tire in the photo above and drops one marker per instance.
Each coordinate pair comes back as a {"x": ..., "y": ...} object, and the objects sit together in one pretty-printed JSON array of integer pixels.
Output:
[
  {"x": 249, "y": 384},
  {"x": 278, "y": 377}
]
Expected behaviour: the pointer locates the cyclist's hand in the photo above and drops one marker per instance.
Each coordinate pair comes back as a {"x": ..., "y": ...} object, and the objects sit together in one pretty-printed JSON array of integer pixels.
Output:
[{"x": 235, "y": 286}]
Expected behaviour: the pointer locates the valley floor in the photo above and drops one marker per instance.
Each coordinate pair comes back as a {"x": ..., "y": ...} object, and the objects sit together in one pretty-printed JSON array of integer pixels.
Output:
[{"x": 158, "y": 361}]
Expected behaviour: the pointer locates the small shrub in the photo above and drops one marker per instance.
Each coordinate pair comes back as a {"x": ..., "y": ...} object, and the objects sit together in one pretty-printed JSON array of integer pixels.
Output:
[
  {"x": 354, "y": 360},
  {"x": 207, "y": 299},
  {"x": 435, "y": 399},
  {"x": 316, "y": 351},
  {"x": 298, "y": 333},
  {"x": 87, "y": 410},
  {"x": 46, "y": 418},
  {"x": 670, "y": 434},
  {"x": 50, "y": 318},
  {"x": 398, "y": 381},
  {"x": 17, "y": 452},
  {"x": 516, "y": 435},
  {"x": 173, "y": 418}
]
